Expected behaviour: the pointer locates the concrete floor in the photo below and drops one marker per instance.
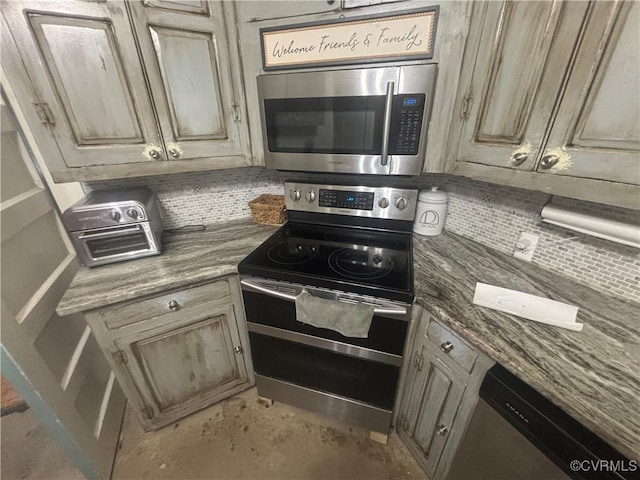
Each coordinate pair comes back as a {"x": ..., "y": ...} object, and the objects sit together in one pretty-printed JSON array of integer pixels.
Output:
[
  {"x": 237, "y": 438},
  {"x": 240, "y": 438},
  {"x": 29, "y": 452}
]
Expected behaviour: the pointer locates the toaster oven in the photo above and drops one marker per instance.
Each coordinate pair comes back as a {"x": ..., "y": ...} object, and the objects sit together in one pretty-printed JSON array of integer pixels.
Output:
[{"x": 109, "y": 226}]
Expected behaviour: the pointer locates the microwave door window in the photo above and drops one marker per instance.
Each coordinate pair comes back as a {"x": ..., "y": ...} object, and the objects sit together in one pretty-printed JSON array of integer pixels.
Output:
[{"x": 335, "y": 125}]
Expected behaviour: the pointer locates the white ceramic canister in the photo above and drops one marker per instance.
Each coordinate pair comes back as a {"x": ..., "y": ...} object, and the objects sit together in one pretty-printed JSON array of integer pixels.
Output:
[{"x": 430, "y": 212}]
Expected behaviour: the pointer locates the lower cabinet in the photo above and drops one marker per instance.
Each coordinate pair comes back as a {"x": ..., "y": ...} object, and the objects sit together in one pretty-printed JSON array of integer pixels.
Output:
[
  {"x": 439, "y": 393},
  {"x": 177, "y": 352}
]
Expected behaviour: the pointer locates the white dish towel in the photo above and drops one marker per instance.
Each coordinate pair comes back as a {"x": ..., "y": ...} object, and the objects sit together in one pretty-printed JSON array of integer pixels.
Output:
[{"x": 349, "y": 319}]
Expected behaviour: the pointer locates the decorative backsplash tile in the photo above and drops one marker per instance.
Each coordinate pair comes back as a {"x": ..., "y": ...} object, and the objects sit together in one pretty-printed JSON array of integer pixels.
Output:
[{"x": 493, "y": 215}]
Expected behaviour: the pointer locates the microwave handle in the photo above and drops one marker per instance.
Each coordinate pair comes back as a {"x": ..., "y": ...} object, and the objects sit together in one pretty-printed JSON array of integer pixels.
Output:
[{"x": 386, "y": 128}]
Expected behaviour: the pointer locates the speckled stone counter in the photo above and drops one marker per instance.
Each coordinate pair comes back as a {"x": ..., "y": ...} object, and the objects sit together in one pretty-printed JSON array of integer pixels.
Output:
[
  {"x": 593, "y": 375},
  {"x": 186, "y": 259}
]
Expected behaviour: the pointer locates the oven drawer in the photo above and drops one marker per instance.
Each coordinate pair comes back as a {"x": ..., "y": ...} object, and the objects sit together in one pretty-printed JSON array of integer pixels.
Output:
[
  {"x": 119, "y": 316},
  {"x": 451, "y": 345},
  {"x": 366, "y": 381}
]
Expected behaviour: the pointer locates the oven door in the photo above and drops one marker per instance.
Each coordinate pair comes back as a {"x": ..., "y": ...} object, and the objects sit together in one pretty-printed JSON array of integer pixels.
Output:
[
  {"x": 352, "y": 379},
  {"x": 367, "y": 121},
  {"x": 115, "y": 244}
]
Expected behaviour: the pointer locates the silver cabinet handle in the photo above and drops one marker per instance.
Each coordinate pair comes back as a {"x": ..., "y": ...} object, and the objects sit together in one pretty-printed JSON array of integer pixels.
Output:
[
  {"x": 442, "y": 430},
  {"x": 386, "y": 129},
  {"x": 519, "y": 159},
  {"x": 174, "y": 306},
  {"x": 174, "y": 152},
  {"x": 549, "y": 161},
  {"x": 237, "y": 349},
  {"x": 446, "y": 347}
]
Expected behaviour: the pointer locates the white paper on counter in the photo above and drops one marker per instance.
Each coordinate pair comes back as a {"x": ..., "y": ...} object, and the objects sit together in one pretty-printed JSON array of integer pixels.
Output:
[{"x": 531, "y": 307}]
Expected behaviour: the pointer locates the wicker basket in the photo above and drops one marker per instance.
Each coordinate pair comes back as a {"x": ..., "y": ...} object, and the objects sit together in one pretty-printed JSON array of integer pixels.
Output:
[{"x": 268, "y": 209}]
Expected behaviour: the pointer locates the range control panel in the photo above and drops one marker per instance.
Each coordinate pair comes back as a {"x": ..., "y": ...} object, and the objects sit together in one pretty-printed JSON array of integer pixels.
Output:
[
  {"x": 362, "y": 201},
  {"x": 346, "y": 199}
]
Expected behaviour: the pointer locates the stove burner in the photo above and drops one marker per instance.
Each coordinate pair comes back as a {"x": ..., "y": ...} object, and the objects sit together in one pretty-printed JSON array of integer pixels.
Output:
[
  {"x": 355, "y": 264},
  {"x": 292, "y": 253}
]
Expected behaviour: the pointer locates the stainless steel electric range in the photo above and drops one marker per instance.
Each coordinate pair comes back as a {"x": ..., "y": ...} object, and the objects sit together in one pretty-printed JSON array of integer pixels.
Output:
[{"x": 345, "y": 245}]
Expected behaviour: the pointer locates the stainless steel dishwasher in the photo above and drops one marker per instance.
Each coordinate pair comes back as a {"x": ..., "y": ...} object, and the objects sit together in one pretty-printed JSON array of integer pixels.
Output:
[{"x": 517, "y": 434}]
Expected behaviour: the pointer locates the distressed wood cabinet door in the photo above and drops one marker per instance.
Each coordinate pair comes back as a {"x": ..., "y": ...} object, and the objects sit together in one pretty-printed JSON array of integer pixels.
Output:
[
  {"x": 430, "y": 409},
  {"x": 596, "y": 133},
  {"x": 439, "y": 403},
  {"x": 516, "y": 59},
  {"x": 191, "y": 60},
  {"x": 439, "y": 395},
  {"x": 183, "y": 366},
  {"x": 89, "y": 85}
]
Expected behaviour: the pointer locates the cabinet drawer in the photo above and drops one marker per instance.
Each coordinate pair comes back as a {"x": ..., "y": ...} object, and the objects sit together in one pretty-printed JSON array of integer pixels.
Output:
[
  {"x": 452, "y": 345},
  {"x": 171, "y": 303}
]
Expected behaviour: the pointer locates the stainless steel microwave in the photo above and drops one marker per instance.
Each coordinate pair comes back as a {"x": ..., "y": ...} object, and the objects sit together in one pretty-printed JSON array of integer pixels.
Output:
[{"x": 364, "y": 121}]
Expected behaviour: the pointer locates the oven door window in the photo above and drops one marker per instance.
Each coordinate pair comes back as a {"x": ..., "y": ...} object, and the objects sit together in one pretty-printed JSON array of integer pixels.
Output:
[
  {"x": 334, "y": 125},
  {"x": 385, "y": 334},
  {"x": 113, "y": 243},
  {"x": 367, "y": 381}
]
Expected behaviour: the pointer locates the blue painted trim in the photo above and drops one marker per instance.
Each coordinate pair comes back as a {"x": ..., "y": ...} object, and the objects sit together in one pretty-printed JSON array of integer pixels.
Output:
[{"x": 45, "y": 414}]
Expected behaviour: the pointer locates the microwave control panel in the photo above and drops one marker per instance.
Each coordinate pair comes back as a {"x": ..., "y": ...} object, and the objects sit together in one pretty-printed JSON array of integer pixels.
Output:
[{"x": 406, "y": 124}]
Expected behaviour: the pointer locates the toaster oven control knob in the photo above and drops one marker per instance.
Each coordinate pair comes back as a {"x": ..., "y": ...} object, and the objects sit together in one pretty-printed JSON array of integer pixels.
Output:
[
  {"x": 133, "y": 213},
  {"x": 383, "y": 202},
  {"x": 401, "y": 203},
  {"x": 310, "y": 197},
  {"x": 295, "y": 195},
  {"x": 115, "y": 215}
]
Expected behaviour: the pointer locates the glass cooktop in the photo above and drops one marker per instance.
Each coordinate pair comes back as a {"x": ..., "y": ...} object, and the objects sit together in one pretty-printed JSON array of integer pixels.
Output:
[{"x": 354, "y": 260}]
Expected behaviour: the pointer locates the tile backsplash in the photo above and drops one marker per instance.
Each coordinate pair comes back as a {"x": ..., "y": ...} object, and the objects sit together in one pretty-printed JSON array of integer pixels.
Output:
[{"x": 490, "y": 214}]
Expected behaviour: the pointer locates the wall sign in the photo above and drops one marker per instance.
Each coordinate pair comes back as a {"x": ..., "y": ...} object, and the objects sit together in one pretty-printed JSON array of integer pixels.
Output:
[{"x": 409, "y": 35}]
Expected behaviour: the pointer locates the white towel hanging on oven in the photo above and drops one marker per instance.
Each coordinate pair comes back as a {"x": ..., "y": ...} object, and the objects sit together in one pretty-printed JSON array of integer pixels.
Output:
[{"x": 349, "y": 319}]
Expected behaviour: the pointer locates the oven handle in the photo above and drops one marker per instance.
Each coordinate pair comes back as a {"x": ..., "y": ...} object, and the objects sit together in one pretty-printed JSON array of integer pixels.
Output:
[
  {"x": 400, "y": 311},
  {"x": 386, "y": 128},
  {"x": 111, "y": 233}
]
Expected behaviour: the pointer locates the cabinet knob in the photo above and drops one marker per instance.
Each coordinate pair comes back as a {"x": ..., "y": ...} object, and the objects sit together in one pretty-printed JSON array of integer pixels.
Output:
[
  {"x": 442, "y": 430},
  {"x": 549, "y": 161},
  {"x": 446, "y": 347},
  {"x": 237, "y": 349},
  {"x": 174, "y": 305},
  {"x": 519, "y": 159},
  {"x": 155, "y": 153},
  {"x": 174, "y": 152}
]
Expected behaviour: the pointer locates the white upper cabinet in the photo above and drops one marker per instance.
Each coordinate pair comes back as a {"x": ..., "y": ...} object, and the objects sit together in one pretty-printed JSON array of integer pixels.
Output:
[
  {"x": 515, "y": 80},
  {"x": 82, "y": 61},
  {"x": 597, "y": 129},
  {"x": 549, "y": 90},
  {"x": 188, "y": 60},
  {"x": 129, "y": 88}
]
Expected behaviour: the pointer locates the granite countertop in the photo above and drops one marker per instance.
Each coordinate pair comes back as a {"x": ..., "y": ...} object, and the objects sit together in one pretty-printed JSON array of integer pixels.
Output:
[
  {"x": 187, "y": 258},
  {"x": 594, "y": 375}
]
